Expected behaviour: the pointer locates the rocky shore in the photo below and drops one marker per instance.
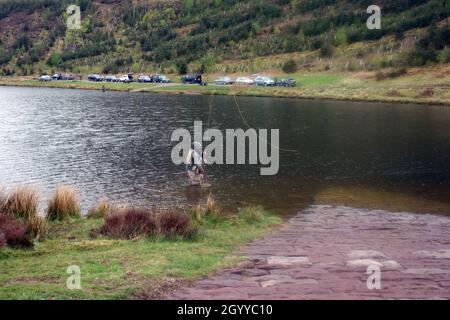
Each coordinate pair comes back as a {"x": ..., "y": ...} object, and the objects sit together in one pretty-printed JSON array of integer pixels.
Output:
[{"x": 328, "y": 252}]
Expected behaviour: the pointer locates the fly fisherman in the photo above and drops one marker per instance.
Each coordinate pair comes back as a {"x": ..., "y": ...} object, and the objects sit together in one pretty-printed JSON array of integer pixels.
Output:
[{"x": 194, "y": 164}]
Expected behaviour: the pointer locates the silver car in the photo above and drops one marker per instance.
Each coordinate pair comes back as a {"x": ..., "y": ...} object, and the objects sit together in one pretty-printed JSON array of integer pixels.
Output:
[
  {"x": 264, "y": 81},
  {"x": 45, "y": 78}
]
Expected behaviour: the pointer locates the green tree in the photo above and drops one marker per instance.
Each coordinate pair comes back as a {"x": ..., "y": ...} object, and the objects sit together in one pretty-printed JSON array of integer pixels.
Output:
[
  {"x": 4, "y": 56},
  {"x": 340, "y": 38},
  {"x": 326, "y": 50},
  {"x": 444, "y": 56},
  {"x": 290, "y": 66},
  {"x": 182, "y": 67},
  {"x": 55, "y": 60}
]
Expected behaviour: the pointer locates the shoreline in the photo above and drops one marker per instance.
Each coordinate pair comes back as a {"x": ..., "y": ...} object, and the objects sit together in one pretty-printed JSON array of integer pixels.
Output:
[{"x": 314, "y": 93}]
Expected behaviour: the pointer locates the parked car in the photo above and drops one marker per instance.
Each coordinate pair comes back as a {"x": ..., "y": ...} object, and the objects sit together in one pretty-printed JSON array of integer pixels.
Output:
[
  {"x": 223, "y": 81},
  {"x": 57, "y": 76},
  {"x": 68, "y": 77},
  {"x": 45, "y": 78},
  {"x": 111, "y": 79},
  {"x": 144, "y": 78},
  {"x": 286, "y": 83},
  {"x": 160, "y": 78},
  {"x": 95, "y": 77},
  {"x": 125, "y": 79},
  {"x": 192, "y": 79},
  {"x": 244, "y": 81},
  {"x": 264, "y": 81}
]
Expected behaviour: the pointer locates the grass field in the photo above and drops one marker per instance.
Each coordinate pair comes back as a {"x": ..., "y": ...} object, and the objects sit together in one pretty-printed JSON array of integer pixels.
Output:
[{"x": 120, "y": 269}]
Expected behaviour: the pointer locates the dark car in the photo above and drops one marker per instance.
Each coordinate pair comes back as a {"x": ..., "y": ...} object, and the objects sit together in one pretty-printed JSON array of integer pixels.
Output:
[
  {"x": 95, "y": 77},
  {"x": 57, "y": 76},
  {"x": 192, "y": 79},
  {"x": 286, "y": 83},
  {"x": 111, "y": 79},
  {"x": 160, "y": 78},
  {"x": 68, "y": 77}
]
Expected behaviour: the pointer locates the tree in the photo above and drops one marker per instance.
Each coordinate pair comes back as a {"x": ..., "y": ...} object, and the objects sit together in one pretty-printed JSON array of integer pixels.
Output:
[
  {"x": 202, "y": 69},
  {"x": 182, "y": 67},
  {"x": 4, "y": 56},
  {"x": 55, "y": 60},
  {"x": 290, "y": 66},
  {"x": 326, "y": 50},
  {"x": 22, "y": 43},
  {"x": 341, "y": 38}
]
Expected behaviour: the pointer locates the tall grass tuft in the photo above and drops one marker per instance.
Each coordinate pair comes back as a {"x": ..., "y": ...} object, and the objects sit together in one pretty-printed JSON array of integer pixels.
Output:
[
  {"x": 101, "y": 209},
  {"x": 37, "y": 227},
  {"x": 64, "y": 204},
  {"x": 252, "y": 215},
  {"x": 211, "y": 205},
  {"x": 22, "y": 202},
  {"x": 3, "y": 199},
  {"x": 209, "y": 211}
]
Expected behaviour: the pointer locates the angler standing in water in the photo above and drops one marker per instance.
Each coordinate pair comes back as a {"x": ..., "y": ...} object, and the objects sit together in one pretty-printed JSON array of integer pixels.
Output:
[{"x": 194, "y": 164}]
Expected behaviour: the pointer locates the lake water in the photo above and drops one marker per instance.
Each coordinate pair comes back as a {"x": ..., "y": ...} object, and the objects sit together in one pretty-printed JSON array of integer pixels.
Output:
[{"x": 117, "y": 145}]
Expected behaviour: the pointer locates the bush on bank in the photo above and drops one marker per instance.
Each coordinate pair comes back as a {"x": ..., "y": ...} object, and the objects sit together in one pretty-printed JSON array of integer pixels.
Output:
[
  {"x": 21, "y": 225},
  {"x": 64, "y": 204}
]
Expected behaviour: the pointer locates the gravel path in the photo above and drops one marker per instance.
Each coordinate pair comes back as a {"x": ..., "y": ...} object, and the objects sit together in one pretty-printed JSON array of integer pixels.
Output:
[{"x": 325, "y": 252}]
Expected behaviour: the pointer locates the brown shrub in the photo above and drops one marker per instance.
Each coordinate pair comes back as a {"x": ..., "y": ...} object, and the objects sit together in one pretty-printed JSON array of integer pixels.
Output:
[
  {"x": 394, "y": 93},
  {"x": 139, "y": 222},
  {"x": 380, "y": 75},
  {"x": 2, "y": 240},
  {"x": 3, "y": 199},
  {"x": 173, "y": 224},
  {"x": 130, "y": 223},
  {"x": 100, "y": 210},
  {"x": 37, "y": 227},
  {"x": 22, "y": 202},
  {"x": 135, "y": 222},
  {"x": 13, "y": 232},
  {"x": 428, "y": 92},
  {"x": 64, "y": 204}
]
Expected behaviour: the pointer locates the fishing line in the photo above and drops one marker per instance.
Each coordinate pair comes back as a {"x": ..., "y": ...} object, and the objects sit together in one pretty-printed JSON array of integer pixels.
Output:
[
  {"x": 249, "y": 127},
  {"x": 210, "y": 109}
]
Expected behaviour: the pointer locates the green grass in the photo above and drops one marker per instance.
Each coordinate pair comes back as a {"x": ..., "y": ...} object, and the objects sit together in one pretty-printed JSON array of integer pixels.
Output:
[
  {"x": 118, "y": 269},
  {"x": 316, "y": 79}
]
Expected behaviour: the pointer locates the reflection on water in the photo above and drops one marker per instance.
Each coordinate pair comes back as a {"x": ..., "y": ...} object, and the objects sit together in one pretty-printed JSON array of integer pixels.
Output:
[{"x": 118, "y": 145}]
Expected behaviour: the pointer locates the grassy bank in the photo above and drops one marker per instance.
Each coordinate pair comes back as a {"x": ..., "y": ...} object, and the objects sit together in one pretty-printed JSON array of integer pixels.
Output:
[
  {"x": 118, "y": 269},
  {"x": 423, "y": 85}
]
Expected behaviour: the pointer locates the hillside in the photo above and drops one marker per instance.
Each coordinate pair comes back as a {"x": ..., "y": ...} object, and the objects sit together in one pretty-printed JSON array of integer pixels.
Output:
[{"x": 217, "y": 36}]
